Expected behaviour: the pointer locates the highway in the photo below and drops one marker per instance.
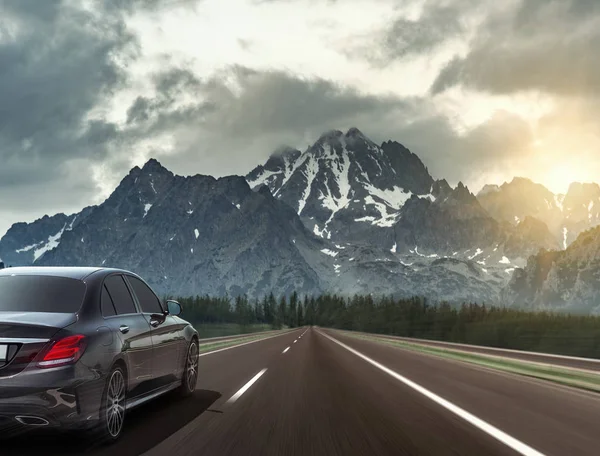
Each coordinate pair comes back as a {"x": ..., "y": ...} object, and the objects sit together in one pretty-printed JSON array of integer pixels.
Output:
[{"x": 314, "y": 391}]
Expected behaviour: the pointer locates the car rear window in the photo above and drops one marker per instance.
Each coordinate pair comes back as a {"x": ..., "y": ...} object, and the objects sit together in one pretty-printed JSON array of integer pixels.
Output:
[{"x": 40, "y": 294}]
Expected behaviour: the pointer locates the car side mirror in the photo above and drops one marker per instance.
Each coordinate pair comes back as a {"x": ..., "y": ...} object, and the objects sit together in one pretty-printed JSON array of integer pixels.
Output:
[{"x": 174, "y": 308}]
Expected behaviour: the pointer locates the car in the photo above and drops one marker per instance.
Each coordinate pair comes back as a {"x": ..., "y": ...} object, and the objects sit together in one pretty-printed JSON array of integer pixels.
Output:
[{"x": 81, "y": 346}]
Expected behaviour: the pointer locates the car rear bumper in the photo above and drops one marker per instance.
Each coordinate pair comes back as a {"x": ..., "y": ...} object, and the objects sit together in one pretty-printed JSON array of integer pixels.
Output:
[{"x": 63, "y": 397}]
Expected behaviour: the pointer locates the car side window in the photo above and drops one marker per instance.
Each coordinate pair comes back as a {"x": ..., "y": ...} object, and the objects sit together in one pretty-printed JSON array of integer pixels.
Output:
[
  {"x": 106, "y": 303},
  {"x": 148, "y": 300},
  {"x": 121, "y": 298}
]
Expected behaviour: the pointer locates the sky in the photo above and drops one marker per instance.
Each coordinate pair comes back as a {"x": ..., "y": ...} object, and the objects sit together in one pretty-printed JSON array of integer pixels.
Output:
[{"x": 480, "y": 90}]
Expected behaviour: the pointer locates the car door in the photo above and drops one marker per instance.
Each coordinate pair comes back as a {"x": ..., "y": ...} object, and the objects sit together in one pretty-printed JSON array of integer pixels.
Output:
[
  {"x": 129, "y": 325},
  {"x": 167, "y": 335}
]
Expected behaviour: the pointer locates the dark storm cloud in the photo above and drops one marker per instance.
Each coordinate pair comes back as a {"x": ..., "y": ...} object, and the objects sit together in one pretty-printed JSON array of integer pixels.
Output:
[
  {"x": 276, "y": 101},
  {"x": 438, "y": 22},
  {"x": 58, "y": 61},
  {"x": 230, "y": 121},
  {"x": 239, "y": 123},
  {"x": 549, "y": 46}
]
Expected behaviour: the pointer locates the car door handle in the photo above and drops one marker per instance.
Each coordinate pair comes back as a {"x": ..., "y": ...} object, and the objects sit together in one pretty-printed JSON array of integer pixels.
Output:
[
  {"x": 154, "y": 323},
  {"x": 124, "y": 329}
]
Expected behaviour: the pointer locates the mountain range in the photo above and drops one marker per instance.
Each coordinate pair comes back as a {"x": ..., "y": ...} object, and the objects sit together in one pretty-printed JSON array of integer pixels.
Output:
[{"x": 345, "y": 216}]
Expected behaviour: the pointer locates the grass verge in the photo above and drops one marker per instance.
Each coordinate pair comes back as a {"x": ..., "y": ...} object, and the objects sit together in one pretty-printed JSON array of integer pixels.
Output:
[{"x": 558, "y": 374}]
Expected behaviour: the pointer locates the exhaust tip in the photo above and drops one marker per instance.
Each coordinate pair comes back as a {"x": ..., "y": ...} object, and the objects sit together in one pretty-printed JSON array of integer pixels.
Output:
[{"x": 32, "y": 420}]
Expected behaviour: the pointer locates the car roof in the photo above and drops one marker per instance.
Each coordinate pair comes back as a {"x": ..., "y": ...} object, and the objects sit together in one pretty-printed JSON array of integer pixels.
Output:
[{"x": 70, "y": 272}]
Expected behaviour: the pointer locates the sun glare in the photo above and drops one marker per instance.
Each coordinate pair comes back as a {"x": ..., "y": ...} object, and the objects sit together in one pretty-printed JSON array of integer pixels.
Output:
[{"x": 561, "y": 176}]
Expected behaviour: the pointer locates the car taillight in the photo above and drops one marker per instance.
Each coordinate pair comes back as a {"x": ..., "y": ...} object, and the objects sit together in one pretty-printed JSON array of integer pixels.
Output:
[{"x": 64, "y": 351}]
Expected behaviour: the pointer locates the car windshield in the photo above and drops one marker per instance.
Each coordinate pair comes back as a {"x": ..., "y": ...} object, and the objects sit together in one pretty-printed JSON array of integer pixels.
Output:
[{"x": 40, "y": 294}]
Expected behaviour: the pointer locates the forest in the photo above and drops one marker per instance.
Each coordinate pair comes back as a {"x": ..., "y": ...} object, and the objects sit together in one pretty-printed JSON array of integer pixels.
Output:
[{"x": 469, "y": 323}]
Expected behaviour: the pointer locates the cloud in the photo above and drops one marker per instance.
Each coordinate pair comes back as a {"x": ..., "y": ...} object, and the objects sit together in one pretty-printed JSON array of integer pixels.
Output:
[
  {"x": 82, "y": 101},
  {"x": 410, "y": 35},
  {"x": 547, "y": 46},
  {"x": 233, "y": 119},
  {"x": 58, "y": 62},
  {"x": 241, "y": 115}
]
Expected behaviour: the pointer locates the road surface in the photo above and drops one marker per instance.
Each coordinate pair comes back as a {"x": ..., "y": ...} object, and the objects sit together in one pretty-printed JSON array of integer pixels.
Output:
[{"x": 321, "y": 392}]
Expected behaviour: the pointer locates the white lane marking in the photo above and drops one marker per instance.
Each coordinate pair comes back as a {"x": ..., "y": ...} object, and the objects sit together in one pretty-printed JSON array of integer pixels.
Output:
[
  {"x": 494, "y": 432},
  {"x": 285, "y": 350},
  {"x": 239, "y": 345},
  {"x": 244, "y": 388}
]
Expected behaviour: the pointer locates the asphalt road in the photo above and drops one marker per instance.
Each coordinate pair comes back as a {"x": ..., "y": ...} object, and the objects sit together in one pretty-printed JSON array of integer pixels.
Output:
[{"x": 326, "y": 393}]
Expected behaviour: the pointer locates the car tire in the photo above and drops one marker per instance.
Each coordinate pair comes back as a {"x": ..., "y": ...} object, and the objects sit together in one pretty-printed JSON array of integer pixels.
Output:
[
  {"x": 112, "y": 408},
  {"x": 189, "y": 378}
]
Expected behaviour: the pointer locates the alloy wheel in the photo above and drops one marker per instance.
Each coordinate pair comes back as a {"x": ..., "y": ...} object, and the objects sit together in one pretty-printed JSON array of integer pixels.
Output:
[
  {"x": 115, "y": 403},
  {"x": 191, "y": 373}
]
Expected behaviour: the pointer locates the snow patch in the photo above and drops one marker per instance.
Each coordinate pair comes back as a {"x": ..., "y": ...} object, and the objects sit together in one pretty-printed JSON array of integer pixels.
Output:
[
  {"x": 262, "y": 179},
  {"x": 147, "y": 207},
  {"x": 393, "y": 249},
  {"x": 288, "y": 173},
  {"x": 192, "y": 250},
  {"x": 565, "y": 234},
  {"x": 386, "y": 219},
  {"x": 196, "y": 233},
  {"x": 52, "y": 243},
  {"x": 509, "y": 270},
  {"x": 504, "y": 260},
  {"x": 337, "y": 267},
  {"x": 70, "y": 227},
  {"x": 477, "y": 253},
  {"x": 312, "y": 168},
  {"x": 331, "y": 253},
  {"x": 339, "y": 168},
  {"x": 26, "y": 249},
  {"x": 394, "y": 198},
  {"x": 558, "y": 199},
  {"x": 238, "y": 206},
  {"x": 190, "y": 212},
  {"x": 321, "y": 233}
]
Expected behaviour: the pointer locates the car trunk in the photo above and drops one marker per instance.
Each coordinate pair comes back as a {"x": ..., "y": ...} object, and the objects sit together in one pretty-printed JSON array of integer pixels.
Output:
[{"x": 24, "y": 334}]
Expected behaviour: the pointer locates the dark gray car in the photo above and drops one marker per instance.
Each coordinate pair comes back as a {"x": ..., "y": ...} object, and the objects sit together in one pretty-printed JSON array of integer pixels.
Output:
[{"x": 81, "y": 346}]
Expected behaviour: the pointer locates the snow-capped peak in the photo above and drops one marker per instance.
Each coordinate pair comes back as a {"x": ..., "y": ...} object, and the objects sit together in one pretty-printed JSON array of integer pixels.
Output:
[{"x": 344, "y": 177}]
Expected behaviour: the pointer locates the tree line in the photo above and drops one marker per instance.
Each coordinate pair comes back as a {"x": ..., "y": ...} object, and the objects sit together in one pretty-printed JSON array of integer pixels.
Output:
[{"x": 469, "y": 323}]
